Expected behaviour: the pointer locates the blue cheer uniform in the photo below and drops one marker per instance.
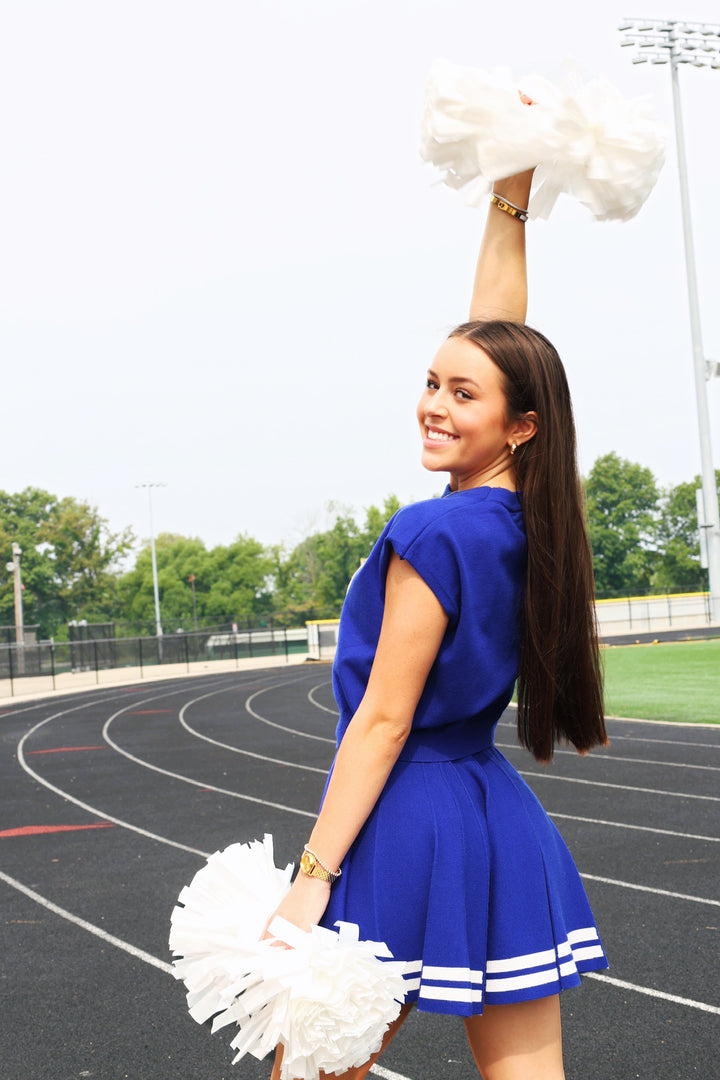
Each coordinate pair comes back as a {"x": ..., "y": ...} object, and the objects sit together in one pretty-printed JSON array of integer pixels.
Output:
[{"x": 458, "y": 869}]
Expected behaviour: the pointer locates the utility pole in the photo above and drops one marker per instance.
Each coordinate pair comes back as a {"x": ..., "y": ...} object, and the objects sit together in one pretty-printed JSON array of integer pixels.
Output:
[
  {"x": 19, "y": 621},
  {"x": 667, "y": 41},
  {"x": 156, "y": 591}
]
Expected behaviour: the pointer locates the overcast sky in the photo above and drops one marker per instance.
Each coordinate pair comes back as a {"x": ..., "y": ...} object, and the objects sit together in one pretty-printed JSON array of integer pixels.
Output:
[{"x": 224, "y": 266}]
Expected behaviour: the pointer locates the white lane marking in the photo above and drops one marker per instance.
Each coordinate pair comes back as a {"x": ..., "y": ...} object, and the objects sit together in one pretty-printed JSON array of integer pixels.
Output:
[
  {"x": 281, "y": 727},
  {"x": 686, "y": 725},
  {"x": 650, "y": 889},
  {"x": 640, "y": 828},
  {"x": 120, "y": 821},
  {"x": 652, "y": 993},
  {"x": 386, "y": 1074},
  {"x": 612, "y": 758},
  {"x": 666, "y": 742},
  {"x": 189, "y": 780},
  {"x": 139, "y": 954},
  {"x": 236, "y": 749},
  {"x": 20, "y": 751},
  {"x": 619, "y": 787},
  {"x": 378, "y": 1070},
  {"x": 313, "y": 701}
]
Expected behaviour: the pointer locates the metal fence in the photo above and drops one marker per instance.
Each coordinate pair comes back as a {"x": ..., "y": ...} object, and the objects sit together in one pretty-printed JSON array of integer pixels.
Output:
[
  {"x": 645, "y": 614},
  {"x": 55, "y": 658}
]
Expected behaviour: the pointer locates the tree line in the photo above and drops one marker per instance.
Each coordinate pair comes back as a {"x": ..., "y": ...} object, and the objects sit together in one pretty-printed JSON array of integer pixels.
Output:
[{"x": 644, "y": 539}]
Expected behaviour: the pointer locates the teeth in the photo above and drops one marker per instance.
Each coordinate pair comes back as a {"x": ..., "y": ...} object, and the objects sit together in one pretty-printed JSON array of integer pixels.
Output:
[{"x": 440, "y": 436}]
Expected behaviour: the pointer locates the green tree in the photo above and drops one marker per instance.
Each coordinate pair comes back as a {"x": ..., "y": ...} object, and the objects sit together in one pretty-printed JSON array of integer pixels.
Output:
[
  {"x": 677, "y": 536},
  {"x": 231, "y": 583},
  {"x": 68, "y": 563},
  {"x": 311, "y": 581},
  {"x": 622, "y": 500}
]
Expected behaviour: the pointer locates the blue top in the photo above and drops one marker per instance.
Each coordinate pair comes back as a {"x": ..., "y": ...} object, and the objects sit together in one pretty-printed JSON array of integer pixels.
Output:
[{"x": 470, "y": 549}]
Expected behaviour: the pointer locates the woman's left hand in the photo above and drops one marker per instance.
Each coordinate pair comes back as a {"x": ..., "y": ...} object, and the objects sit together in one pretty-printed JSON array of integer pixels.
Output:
[{"x": 305, "y": 904}]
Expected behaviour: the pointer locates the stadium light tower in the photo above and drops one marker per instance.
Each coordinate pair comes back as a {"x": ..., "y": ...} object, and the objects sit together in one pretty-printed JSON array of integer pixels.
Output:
[
  {"x": 668, "y": 41},
  {"x": 158, "y": 624}
]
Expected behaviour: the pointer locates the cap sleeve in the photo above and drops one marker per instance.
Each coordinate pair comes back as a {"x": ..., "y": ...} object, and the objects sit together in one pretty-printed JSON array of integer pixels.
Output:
[{"x": 431, "y": 548}]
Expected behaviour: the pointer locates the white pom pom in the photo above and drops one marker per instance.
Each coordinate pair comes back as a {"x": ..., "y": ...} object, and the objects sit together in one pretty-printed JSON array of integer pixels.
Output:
[
  {"x": 608, "y": 152},
  {"x": 476, "y": 128},
  {"x": 328, "y": 997},
  {"x": 586, "y": 140}
]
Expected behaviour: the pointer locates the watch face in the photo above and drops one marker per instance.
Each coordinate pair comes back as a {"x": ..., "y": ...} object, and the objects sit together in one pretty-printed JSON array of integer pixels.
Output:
[{"x": 307, "y": 863}]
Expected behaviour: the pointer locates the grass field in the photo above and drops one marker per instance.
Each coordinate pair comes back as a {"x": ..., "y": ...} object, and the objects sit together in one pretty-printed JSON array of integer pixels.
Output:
[{"x": 669, "y": 681}]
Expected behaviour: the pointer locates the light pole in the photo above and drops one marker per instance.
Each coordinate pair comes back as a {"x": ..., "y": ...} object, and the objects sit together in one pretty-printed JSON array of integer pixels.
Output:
[
  {"x": 667, "y": 41},
  {"x": 191, "y": 579},
  {"x": 14, "y": 567},
  {"x": 158, "y": 624}
]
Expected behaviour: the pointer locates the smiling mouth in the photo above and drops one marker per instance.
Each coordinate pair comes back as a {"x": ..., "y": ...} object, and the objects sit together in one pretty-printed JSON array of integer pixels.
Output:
[{"x": 435, "y": 435}]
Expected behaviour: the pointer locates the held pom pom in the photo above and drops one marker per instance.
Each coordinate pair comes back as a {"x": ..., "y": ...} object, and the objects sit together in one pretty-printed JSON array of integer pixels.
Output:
[
  {"x": 585, "y": 139},
  {"x": 326, "y": 996}
]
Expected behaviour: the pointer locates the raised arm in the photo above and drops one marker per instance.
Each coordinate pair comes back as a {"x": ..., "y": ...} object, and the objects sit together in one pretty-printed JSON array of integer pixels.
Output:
[{"x": 500, "y": 286}]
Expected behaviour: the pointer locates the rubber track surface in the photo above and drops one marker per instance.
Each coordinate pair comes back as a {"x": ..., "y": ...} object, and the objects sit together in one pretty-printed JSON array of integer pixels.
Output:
[{"x": 109, "y": 800}]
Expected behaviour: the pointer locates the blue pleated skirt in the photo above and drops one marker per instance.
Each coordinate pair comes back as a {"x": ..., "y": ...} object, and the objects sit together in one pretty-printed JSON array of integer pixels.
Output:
[{"x": 462, "y": 874}]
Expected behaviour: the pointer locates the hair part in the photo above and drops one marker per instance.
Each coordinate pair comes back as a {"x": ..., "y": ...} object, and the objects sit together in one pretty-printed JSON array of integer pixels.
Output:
[{"x": 560, "y": 691}]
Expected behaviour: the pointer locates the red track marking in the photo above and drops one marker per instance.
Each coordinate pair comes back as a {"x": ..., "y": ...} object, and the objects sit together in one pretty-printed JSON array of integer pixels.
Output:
[
  {"x": 35, "y": 830},
  {"x": 148, "y": 712},
  {"x": 66, "y": 749}
]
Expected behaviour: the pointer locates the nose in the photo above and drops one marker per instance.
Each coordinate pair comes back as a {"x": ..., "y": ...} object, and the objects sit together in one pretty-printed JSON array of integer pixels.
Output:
[{"x": 435, "y": 404}]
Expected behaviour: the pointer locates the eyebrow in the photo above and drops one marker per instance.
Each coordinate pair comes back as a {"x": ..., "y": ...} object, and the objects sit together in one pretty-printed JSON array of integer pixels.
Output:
[{"x": 456, "y": 378}]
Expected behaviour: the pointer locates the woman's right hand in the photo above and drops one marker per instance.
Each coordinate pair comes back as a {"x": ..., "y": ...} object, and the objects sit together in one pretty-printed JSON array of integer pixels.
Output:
[{"x": 305, "y": 903}]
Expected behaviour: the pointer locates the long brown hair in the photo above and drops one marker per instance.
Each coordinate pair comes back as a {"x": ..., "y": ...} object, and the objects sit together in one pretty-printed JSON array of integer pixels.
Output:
[{"x": 560, "y": 676}]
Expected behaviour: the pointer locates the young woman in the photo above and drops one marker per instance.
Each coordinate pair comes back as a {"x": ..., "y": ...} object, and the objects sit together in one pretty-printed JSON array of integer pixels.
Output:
[{"x": 427, "y": 837}]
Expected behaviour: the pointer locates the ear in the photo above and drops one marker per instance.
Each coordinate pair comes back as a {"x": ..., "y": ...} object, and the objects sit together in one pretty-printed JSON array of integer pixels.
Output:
[{"x": 525, "y": 428}]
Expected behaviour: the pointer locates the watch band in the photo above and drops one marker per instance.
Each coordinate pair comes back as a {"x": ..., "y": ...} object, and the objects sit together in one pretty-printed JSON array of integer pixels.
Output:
[{"x": 312, "y": 867}]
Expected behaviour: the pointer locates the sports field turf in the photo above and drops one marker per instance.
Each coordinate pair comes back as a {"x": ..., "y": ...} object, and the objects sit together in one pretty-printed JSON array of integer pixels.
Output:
[{"x": 668, "y": 681}]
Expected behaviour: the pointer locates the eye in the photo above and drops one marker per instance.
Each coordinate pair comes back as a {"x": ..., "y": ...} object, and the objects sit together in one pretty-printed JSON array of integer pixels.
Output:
[
  {"x": 463, "y": 395},
  {"x": 430, "y": 384}
]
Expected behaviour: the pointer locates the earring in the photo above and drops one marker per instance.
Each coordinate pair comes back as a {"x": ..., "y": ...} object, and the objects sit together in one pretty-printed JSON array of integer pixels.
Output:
[{"x": 513, "y": 448}]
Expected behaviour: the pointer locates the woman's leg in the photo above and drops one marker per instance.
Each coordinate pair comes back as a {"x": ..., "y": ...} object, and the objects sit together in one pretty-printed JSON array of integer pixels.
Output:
[
  {"x": 354, "y": 1074},
  {"x": 522, "y": 1041}
]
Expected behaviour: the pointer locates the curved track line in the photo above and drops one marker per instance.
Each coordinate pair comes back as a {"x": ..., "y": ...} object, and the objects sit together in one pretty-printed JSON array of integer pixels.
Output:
[
  {"x": 281, "y": 727},
  {"x": 317, "y": 704},
  {"x": 155, "y": 768},
  {"x": 236, "y": 749},
  {"x": 665, "y": 742},
  {"x": 631, "y": 760},
  {"x": 378, "y": 1070},
  {"x": 653, "y": 993},
  {"x": 140, "y": 954},
  {"x": 648, "y": 888},
  {"x": 189, "y": 780},
  {"x": 86, "y": 806},
  {"x": 640, "y": 828},
  {"x": 621, "y": 787}
]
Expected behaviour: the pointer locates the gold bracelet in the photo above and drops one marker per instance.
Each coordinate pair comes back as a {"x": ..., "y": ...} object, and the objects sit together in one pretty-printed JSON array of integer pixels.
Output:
[
  {"x": 312, "y": 867},
  {"x": 508, "y": 207}
]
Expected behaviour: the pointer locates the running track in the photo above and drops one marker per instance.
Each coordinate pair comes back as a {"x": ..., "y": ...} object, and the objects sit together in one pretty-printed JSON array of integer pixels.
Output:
[{"x": 110, "y": 799}]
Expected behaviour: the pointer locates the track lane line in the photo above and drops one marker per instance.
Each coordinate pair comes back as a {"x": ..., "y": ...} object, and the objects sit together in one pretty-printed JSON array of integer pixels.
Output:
[
  {"x": 188, "y": 780},
  {"x": 387, "y": 1074},
  {"x": 236, "y": 749},
  {"x": 281, "y": 727},
  {"x": 639, "y": 828},
  {"x": 139, "y": 954},
  {"x": 650, "y": 889},
  {"x": 620, "y": 787}
]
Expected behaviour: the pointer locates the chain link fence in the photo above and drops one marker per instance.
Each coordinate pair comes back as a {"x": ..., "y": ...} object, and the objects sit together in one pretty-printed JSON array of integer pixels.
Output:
[{"x": 52, "y": 659}]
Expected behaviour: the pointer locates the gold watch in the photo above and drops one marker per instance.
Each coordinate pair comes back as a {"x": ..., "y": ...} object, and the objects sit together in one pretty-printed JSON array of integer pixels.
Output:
[{"x": 312, "y": 867}]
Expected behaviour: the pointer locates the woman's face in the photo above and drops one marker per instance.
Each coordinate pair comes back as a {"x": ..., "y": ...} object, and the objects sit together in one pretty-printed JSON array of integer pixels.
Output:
[{"x": 462, "y": 416}]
